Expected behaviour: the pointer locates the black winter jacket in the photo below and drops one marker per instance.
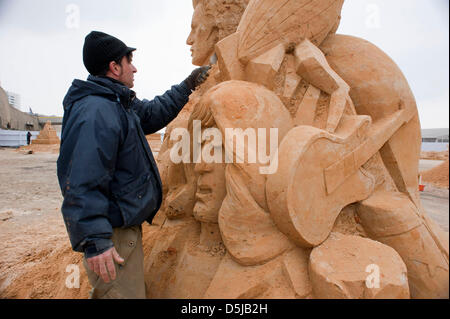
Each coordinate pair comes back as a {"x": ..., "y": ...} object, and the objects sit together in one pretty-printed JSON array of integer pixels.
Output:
[{"x": 106, "y": 170}]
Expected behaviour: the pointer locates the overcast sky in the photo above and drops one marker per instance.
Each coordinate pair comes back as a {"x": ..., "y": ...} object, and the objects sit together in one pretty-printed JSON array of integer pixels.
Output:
[{"x": 41, "y": 44}]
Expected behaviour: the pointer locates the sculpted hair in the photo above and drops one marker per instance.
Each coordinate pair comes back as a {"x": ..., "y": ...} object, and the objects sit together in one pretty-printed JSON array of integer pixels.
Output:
[
  {"x": 202, "y": 112},
  {"x": 268, "y": 23},
  {"x": 225, "y": 14}
]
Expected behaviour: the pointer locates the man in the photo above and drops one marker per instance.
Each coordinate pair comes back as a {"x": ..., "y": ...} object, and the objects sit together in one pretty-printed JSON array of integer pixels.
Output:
[
  {"x": 106, "y": 170},
  {"x": 28, "y": 138}
]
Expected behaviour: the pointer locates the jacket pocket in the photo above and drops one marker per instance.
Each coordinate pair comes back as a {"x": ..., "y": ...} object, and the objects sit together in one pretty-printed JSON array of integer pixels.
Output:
[{"x": 137, "y": 201}]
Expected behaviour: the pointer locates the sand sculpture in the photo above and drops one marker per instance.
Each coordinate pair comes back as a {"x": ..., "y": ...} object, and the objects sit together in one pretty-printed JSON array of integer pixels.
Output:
[
  {"x": 341, "y": 217},
  {"x": 47, "y": 135},
  {"x": 154, "y": 140}
]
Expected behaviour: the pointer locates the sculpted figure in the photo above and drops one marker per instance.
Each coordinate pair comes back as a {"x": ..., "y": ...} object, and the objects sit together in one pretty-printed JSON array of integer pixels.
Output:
[
  {"x": 348, "y": 146},
  {"x": 212, "y": 22}
]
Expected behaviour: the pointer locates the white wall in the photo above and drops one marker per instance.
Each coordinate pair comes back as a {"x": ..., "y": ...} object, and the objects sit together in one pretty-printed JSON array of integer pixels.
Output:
[
  {"x": 435, "y": 147},
  {"x": 17, "y": 138}
]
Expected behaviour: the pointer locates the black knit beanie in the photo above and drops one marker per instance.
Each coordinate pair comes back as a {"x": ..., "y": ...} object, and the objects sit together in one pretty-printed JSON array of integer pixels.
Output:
[{"x": 100, "y": 49}]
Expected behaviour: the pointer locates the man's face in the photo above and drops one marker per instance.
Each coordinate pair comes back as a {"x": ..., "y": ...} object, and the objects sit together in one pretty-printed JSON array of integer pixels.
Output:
[
  {"x": 126, "y": 72},
  {"x": 211, "y": 191},
  {"x": 202, "y": 38}
]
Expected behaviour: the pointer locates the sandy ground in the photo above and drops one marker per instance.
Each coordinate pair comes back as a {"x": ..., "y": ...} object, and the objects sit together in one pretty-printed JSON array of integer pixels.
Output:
[
  {"x": 30, "y": 219},
  {"x": 435, "y": 200},
  {"x": 425, "y": 165},
  {"x": 33, "y": 235}
]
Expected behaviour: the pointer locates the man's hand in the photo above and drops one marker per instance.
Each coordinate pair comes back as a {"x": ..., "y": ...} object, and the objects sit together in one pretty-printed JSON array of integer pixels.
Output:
[
  {"x": 104, "y": 263},
  {"x": 197, "y": 77}
]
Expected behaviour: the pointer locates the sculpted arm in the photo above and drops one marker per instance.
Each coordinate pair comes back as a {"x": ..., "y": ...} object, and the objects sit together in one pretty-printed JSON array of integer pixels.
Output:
[{"x": 312, "y": 65}]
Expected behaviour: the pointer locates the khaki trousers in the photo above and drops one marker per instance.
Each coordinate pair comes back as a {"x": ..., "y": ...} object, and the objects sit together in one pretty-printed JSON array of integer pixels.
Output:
[{"x": 129, "y": 282}]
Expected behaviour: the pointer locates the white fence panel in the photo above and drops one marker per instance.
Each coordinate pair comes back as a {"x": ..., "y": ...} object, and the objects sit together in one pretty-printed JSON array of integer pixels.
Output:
[
  {"x": 434, "y": 147},
  {"x": 15, "y": 138}
]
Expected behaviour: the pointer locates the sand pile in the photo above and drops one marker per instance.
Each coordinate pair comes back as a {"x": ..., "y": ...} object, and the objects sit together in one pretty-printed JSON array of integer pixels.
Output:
[
  {"x": 437, "y": 176},
  {"x": 47, "y": 135},
  {"x": 47, "y": 279},
  {"x": 442, "y": 156}
]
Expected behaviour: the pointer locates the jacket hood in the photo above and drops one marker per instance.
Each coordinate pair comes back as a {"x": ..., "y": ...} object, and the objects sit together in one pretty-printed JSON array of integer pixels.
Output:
[{"x": 94, "y": 85}]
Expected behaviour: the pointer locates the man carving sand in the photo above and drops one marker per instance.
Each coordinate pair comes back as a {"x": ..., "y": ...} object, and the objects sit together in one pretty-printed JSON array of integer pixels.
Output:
[{"x": 106, "y": 170}]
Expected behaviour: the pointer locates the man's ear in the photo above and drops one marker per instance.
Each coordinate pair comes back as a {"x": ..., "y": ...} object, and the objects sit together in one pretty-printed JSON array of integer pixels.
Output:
[{"x": 114, "y": 68}]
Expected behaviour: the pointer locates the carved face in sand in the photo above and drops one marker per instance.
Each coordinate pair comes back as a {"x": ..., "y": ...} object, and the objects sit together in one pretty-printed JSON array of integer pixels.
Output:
[
  {"x": 203, "y": 36},
  {"x": 211, "y": 191},
  {"x": 213, "y": 20}
]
